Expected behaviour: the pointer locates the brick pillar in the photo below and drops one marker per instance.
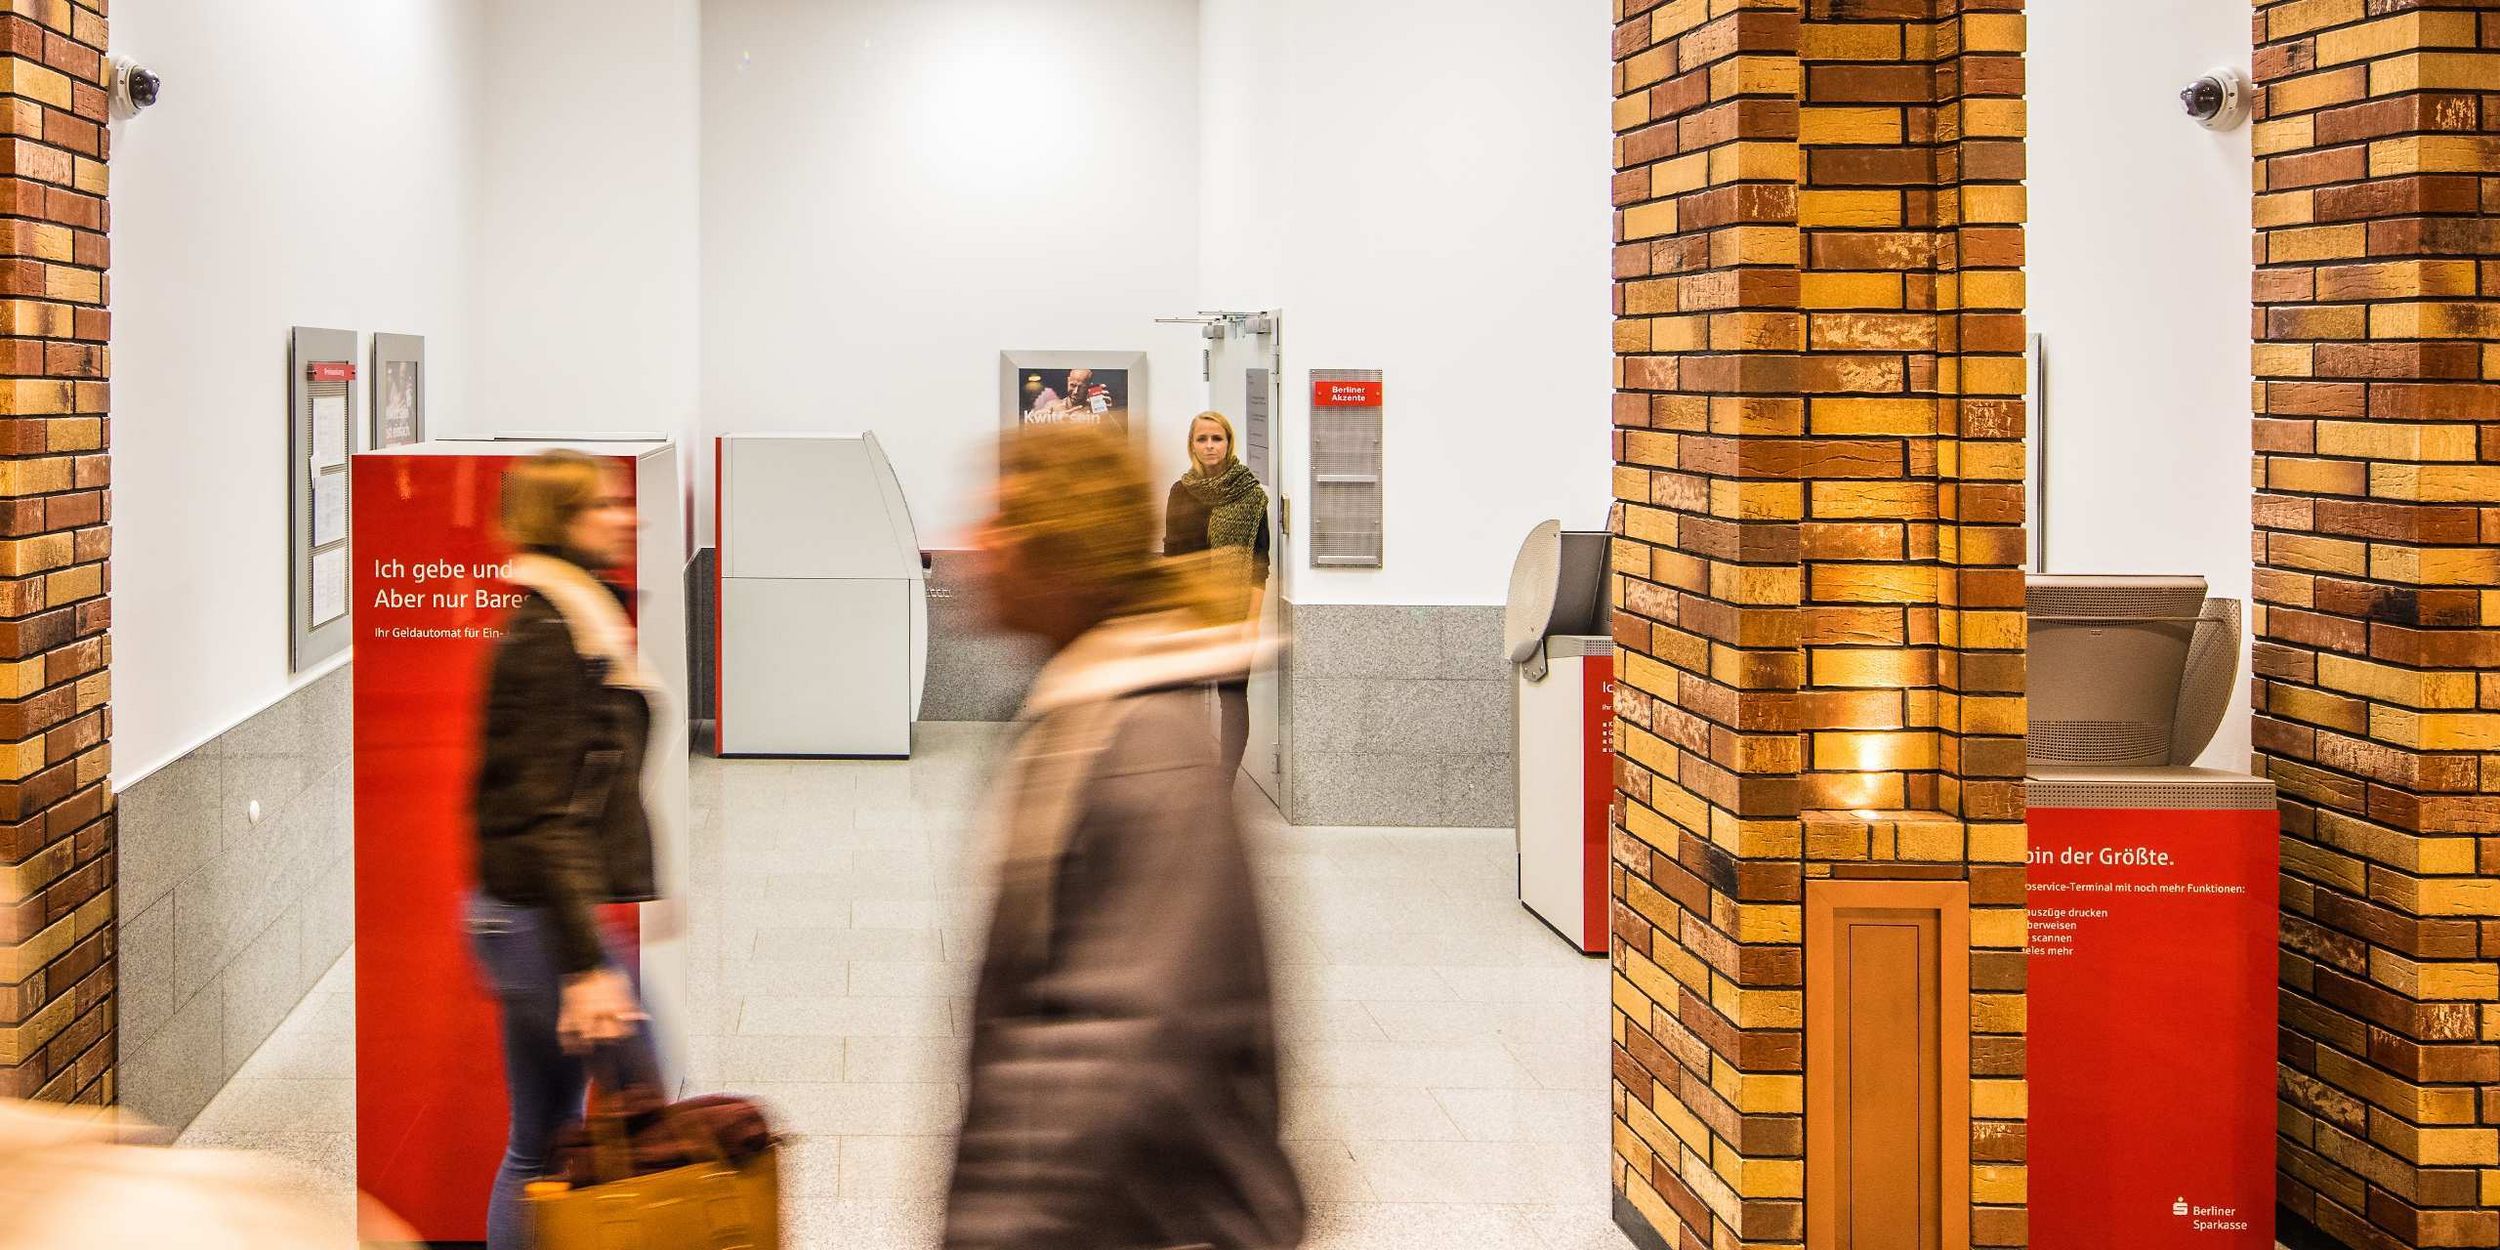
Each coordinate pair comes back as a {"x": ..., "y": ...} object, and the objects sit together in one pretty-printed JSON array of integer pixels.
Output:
[
  {"x": 1819, "y": 459},
  {"x": 2377, "y": 682},
  {"x": 56, "y": 819}
]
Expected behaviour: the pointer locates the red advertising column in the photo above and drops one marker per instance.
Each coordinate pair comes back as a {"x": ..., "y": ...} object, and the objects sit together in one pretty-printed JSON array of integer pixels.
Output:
[
  {"x": 2152, "y": 1028},
  {"x": 430, "y": 1110}
]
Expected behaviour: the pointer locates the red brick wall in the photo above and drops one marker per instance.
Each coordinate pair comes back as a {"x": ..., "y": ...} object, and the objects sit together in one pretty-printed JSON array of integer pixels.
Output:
[
  {"x": 2377, "y": 684},
  {"x": 56, "y": 820},
  {"x": 1819, "y": 460}
]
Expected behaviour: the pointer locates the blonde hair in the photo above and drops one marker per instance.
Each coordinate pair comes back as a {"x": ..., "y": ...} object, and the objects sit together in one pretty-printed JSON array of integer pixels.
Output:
[
  {"x": 1232, "y": 442},
  {"x": 1077, "y": 503},
  {"x": 542, "y": 495}
]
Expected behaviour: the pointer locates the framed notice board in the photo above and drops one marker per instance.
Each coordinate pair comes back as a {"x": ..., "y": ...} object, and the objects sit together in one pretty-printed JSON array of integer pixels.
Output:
[
  {"x": 321, "y": 436},
  {"x": 398, "y": 391},
  {"x": 1347, "y": 517}
]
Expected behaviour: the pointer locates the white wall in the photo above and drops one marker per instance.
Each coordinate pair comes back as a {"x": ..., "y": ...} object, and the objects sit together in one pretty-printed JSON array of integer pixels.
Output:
[
  {"x": 308, "y": 167},
  {"x": 2139, "y": 280},
  {"x": 1428, "y": 193},
  {"x": 587, "y": 217},
  {"x": 894, "y": 191}
]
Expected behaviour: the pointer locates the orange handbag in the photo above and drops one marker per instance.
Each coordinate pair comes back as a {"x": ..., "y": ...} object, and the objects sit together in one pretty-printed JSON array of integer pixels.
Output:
[{"x": 708, "y": 1201}]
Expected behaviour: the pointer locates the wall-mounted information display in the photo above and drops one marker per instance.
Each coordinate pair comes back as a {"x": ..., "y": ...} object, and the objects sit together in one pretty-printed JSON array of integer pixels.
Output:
[
  {"x": 398, "y": 390},
  {"x": 1347, "y": 522},
  {"x": 321, "y": 435}
]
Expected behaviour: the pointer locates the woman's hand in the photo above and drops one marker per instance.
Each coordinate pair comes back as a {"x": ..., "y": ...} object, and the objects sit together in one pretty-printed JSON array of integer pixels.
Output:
[{"x": 599, "y": 1006}]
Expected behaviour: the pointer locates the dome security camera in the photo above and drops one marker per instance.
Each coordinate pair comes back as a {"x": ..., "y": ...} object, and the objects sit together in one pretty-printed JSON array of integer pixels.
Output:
[
  {"x": 2219, "y": 100},
  {"x": 135, "y": 87}
]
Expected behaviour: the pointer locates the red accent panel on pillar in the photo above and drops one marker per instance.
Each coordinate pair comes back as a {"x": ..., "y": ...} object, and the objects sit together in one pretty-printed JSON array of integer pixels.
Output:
[
  {"x": 2152, "y": 1028},
  {"x": 1597, "y": 796}
]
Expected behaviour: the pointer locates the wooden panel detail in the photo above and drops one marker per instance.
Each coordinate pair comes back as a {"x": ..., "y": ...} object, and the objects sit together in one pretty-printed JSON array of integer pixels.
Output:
[{"x": 1887, "y": 1065}]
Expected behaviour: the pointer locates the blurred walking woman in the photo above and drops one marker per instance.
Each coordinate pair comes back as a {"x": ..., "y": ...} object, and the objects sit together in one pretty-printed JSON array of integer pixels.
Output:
[
  {"x": 1123, "y": 1085},
  {"x": 560, "y": 820},
  {"x": 1218, "y": 512}
]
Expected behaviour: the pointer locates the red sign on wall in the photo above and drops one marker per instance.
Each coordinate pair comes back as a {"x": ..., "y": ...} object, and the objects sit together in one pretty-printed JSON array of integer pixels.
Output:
[
  {"x": 332, "y": 371},
  {"x": 1325, "y": 394},
  {"x": 427, "y": 607},
  {"x": 2152, "y": 1028}
]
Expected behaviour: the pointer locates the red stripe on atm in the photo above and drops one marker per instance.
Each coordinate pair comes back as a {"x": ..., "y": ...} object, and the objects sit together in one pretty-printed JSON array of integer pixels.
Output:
[{"x": 1597, "y": 792}]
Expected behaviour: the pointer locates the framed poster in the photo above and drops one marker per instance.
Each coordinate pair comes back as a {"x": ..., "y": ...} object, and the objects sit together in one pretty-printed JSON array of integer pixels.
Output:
[
  {"x": 321, "y": 439},
  {"x": 1105, "y": 389},
  {"x": 398, "y": 390}
]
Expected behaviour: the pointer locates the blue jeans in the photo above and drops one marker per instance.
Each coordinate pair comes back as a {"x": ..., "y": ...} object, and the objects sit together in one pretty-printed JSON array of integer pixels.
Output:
[{"x": 546, "y": 1085}]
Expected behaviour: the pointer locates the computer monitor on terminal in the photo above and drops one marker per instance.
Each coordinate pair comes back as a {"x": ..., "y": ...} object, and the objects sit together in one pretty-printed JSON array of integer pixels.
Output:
[{"x": 2127, "y": 672}]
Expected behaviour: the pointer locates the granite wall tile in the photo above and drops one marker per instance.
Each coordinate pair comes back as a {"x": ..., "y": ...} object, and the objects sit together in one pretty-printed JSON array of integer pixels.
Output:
[
  {"x": 1398, "y": 714},
  {"x": 701, "y": 609},
  {"x": 1365, "y": 640},
  {"x": 231, "y": 920},
  {"x": 330, "y": 718},
  {"x": 1456, "y": 717},
  {"x": 213, "y": 911},
  {"x": 261, "y": 986},
  {"x": 171, "y": 823},
  {"x": 1471, "y": 644},
  {"x": 1480, "y": 791},
  {"x": 1337, "y": 715},
  {"x": 144, "y": 977},
  {"x": 268, "y": 760},
  {"x": 171, "y": 1076},
  {"x": 329, "y": 920},
  {"x": 976, "y": 672}
]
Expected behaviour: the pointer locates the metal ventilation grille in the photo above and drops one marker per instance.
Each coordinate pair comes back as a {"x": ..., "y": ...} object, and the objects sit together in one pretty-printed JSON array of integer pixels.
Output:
[
  {"x": 2100, "y": 742},
  {"x": 1346, "y": 527},
  {"x": 2146, "y": 600},
  {"x": 1584, "y": 645},
  {"x": 2236, "y": 794},
  {"x": 2213, "y": 673}
]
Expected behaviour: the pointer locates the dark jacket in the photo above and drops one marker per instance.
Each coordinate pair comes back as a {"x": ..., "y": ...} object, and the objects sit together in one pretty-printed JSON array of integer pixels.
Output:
[
  {"x": 560, "y": 818},
  {"x": 1185, "y": 531},
  {"x": 1123, "y": 1090}
]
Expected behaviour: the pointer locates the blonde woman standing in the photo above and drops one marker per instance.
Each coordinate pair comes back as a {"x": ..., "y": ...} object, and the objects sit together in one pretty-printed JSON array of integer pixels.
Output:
[{"x": 1217, "y": 512}]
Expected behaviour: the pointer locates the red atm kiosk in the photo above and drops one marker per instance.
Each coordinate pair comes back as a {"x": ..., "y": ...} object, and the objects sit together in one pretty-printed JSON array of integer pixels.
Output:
[
  {"x": 430, "y": 1112},
  {"x": 2154, "y": 912},
  {"x": 2154, "y": 909}
]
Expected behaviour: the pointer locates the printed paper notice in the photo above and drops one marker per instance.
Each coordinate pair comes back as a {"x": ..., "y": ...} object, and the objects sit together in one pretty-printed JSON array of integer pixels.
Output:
[
  {"x": 329, "y": 586},
  {"x": 329, "y": 508},
  {"x": 329, "y": 432}
]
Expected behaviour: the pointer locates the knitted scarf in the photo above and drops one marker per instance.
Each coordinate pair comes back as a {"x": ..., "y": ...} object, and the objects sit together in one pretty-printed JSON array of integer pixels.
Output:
[
  {"x": 1236, "y": 506},
  {"x": 594, "y": 618}
]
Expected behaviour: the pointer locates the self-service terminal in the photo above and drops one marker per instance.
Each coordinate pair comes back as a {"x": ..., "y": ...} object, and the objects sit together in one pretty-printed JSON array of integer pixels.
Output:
[{"x": 1557, "y": 630}]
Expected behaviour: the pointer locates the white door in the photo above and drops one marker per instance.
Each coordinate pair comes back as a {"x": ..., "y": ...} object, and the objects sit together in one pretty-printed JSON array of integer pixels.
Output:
[{"x": 1245, "y": 381}]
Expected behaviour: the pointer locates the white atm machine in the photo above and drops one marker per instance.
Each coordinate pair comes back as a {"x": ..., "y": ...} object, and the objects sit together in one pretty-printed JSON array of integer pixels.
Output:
[
  {"x": 823, "y": 634},
  {"x": 1558, "y": 634}
]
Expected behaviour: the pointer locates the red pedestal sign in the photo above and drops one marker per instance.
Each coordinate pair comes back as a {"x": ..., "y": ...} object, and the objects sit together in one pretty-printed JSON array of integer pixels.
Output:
[
  {"x": 430, "y": 1109},
  {"x": 2152, "y": 1028}
]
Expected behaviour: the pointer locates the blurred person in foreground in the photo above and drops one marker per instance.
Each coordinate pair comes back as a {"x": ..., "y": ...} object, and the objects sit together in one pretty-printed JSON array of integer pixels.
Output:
[
  {"x": 1123, "y": 1088},
  {"x": 1217, "y": 515},
  {"x": 70, "y": 1179},
  {"x": 560, "y": 819}
]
